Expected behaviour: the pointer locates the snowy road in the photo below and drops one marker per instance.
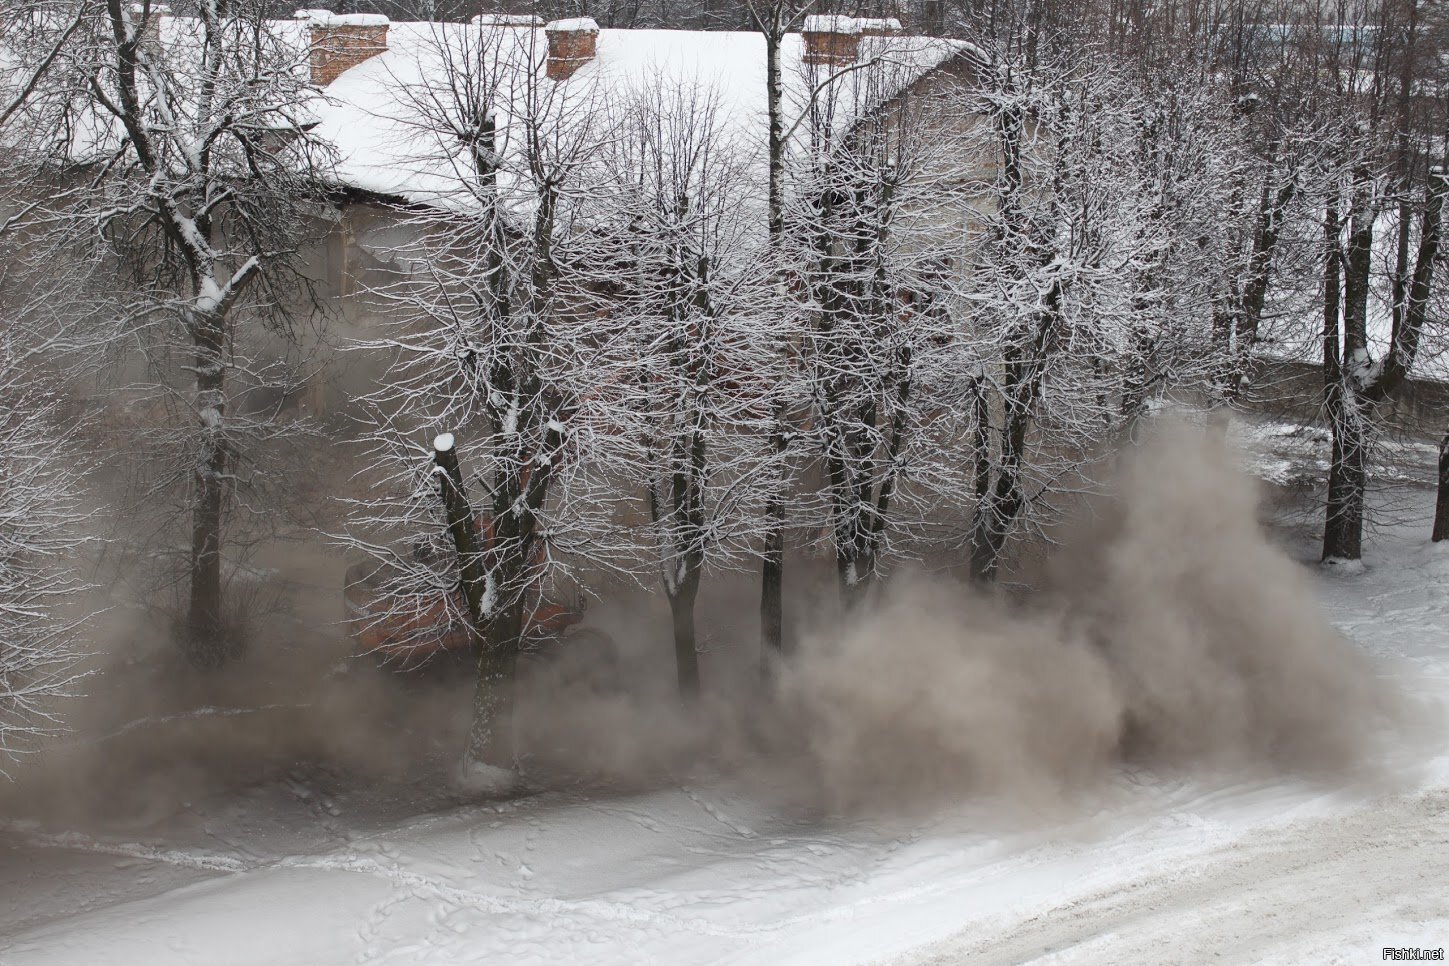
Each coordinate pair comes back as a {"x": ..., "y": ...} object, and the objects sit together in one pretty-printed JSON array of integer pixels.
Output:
[
  {"x": 1325, "y": 891},
  {"x": 1154, "y": 870},
  {"x": 1246, "y": 873}
]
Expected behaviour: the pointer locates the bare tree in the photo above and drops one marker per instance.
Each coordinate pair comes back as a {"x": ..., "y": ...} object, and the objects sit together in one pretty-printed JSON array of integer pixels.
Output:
[
  {"x": 689, "y": 284},
  {"x": 1188, "y": 160},
  {"x": 1380, "y": 164},
  {"x": 1355, "y": 383},
  {"x": 176, "y": 150},
  {"x": 490, "y": 351},
  {"x": 43, "y": 528},
  {"x": 865, "y": 224},
  {"x": 1078, "y": 285},
  {"x": 774, "y": 19}
]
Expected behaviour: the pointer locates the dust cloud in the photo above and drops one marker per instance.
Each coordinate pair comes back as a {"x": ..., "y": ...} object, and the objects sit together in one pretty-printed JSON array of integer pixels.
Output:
[
  {"x": 150, "y": 735},
  {"x": 1168, "y": 633},
  {"x": 1164, "y": 632}
]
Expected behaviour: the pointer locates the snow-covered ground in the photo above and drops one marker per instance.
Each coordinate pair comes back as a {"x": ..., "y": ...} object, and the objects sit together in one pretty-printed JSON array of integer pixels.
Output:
[{"x": 708, "y": 870}]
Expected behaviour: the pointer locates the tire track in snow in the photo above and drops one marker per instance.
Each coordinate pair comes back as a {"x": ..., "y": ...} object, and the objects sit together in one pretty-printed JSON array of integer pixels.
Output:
[
  {"x": 1264, "y": 892},
  {"x": 433, "y": 887},
  {"x": 188, "y": 859},
  {"x": 716, "y": 813}
]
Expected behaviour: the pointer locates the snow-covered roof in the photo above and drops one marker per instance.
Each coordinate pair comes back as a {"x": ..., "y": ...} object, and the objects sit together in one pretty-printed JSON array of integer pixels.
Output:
[
  {"x": 506, "y": 20},
  {"x": 377, "y": 114},
  {"x": 831, "y": 24},
  {"x": 326, "y": 18},
  {"x": 575, "y": 25}
]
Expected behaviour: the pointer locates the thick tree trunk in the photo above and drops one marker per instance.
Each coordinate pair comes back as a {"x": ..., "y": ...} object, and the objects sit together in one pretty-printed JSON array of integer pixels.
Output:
[
  {"x": 1441, "y": 505},
  {"x": 686, "y": 655},
  {"x": 1347, "y": 478},
  {"x": 993, "y": 520},
  {"x": 208, "y": 641},
  {"x": 1348, "y": 411},
  {"x": 772, "y": 582},
  {"x": 461, "y": 529},
  {"x": 1352, "y": 384},
  {"x": 997, "y": 512},
  {"x": 490, "y": 738},
  {"x": 495, "y": 636},
  {"x": 774, "y": 108}
]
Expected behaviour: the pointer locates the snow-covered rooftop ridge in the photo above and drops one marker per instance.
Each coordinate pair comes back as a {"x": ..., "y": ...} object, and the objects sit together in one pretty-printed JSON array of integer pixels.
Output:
[
  {"x": 326, "y": 18},
  {"x": 506, "y": 20},
  {"x": 831, "y": 24},
  {"x": 371, "y": 114},
  {"x": 377, "y": 115},
  {"x": 575, "y": 25}
]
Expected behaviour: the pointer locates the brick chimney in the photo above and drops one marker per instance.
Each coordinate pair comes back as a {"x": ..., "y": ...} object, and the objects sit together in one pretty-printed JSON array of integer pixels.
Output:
[
  {"x": 571, "y": 45},
  {"x": 151, "y": 25},
  {"x": 830, "y": 39},
  {"x": 341, "y": 41}
]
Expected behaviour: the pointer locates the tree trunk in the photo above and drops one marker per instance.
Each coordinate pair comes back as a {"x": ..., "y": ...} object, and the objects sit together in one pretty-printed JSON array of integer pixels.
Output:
[
  {"x": 1347, "y": 478},
  {"x": 992, "y": 523},
  {"x": 686, "y": 656},
  {"x": 772, "y": 561},
  {"x": 772, "y": 581},
  {"x": 1235, "y": 326},
  {"x": 997, "y": 512},
  {"x": 490, "y": 738},
  {"x": 494, "y": 636},
  {"x": 1441, "y": 506},
  {"x": 855, "y": 569},
  {"x": 1348, "y": 412},
  {"x": 208, "y": 642},
  {"x": 461, "y": 523}
]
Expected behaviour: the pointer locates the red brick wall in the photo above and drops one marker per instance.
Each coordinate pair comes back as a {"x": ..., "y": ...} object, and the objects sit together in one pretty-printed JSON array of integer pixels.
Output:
[
  {"x": 336, "y": 47},
  {"x": 570, "y": 50},
  {"x": 831, "y": 48}
]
